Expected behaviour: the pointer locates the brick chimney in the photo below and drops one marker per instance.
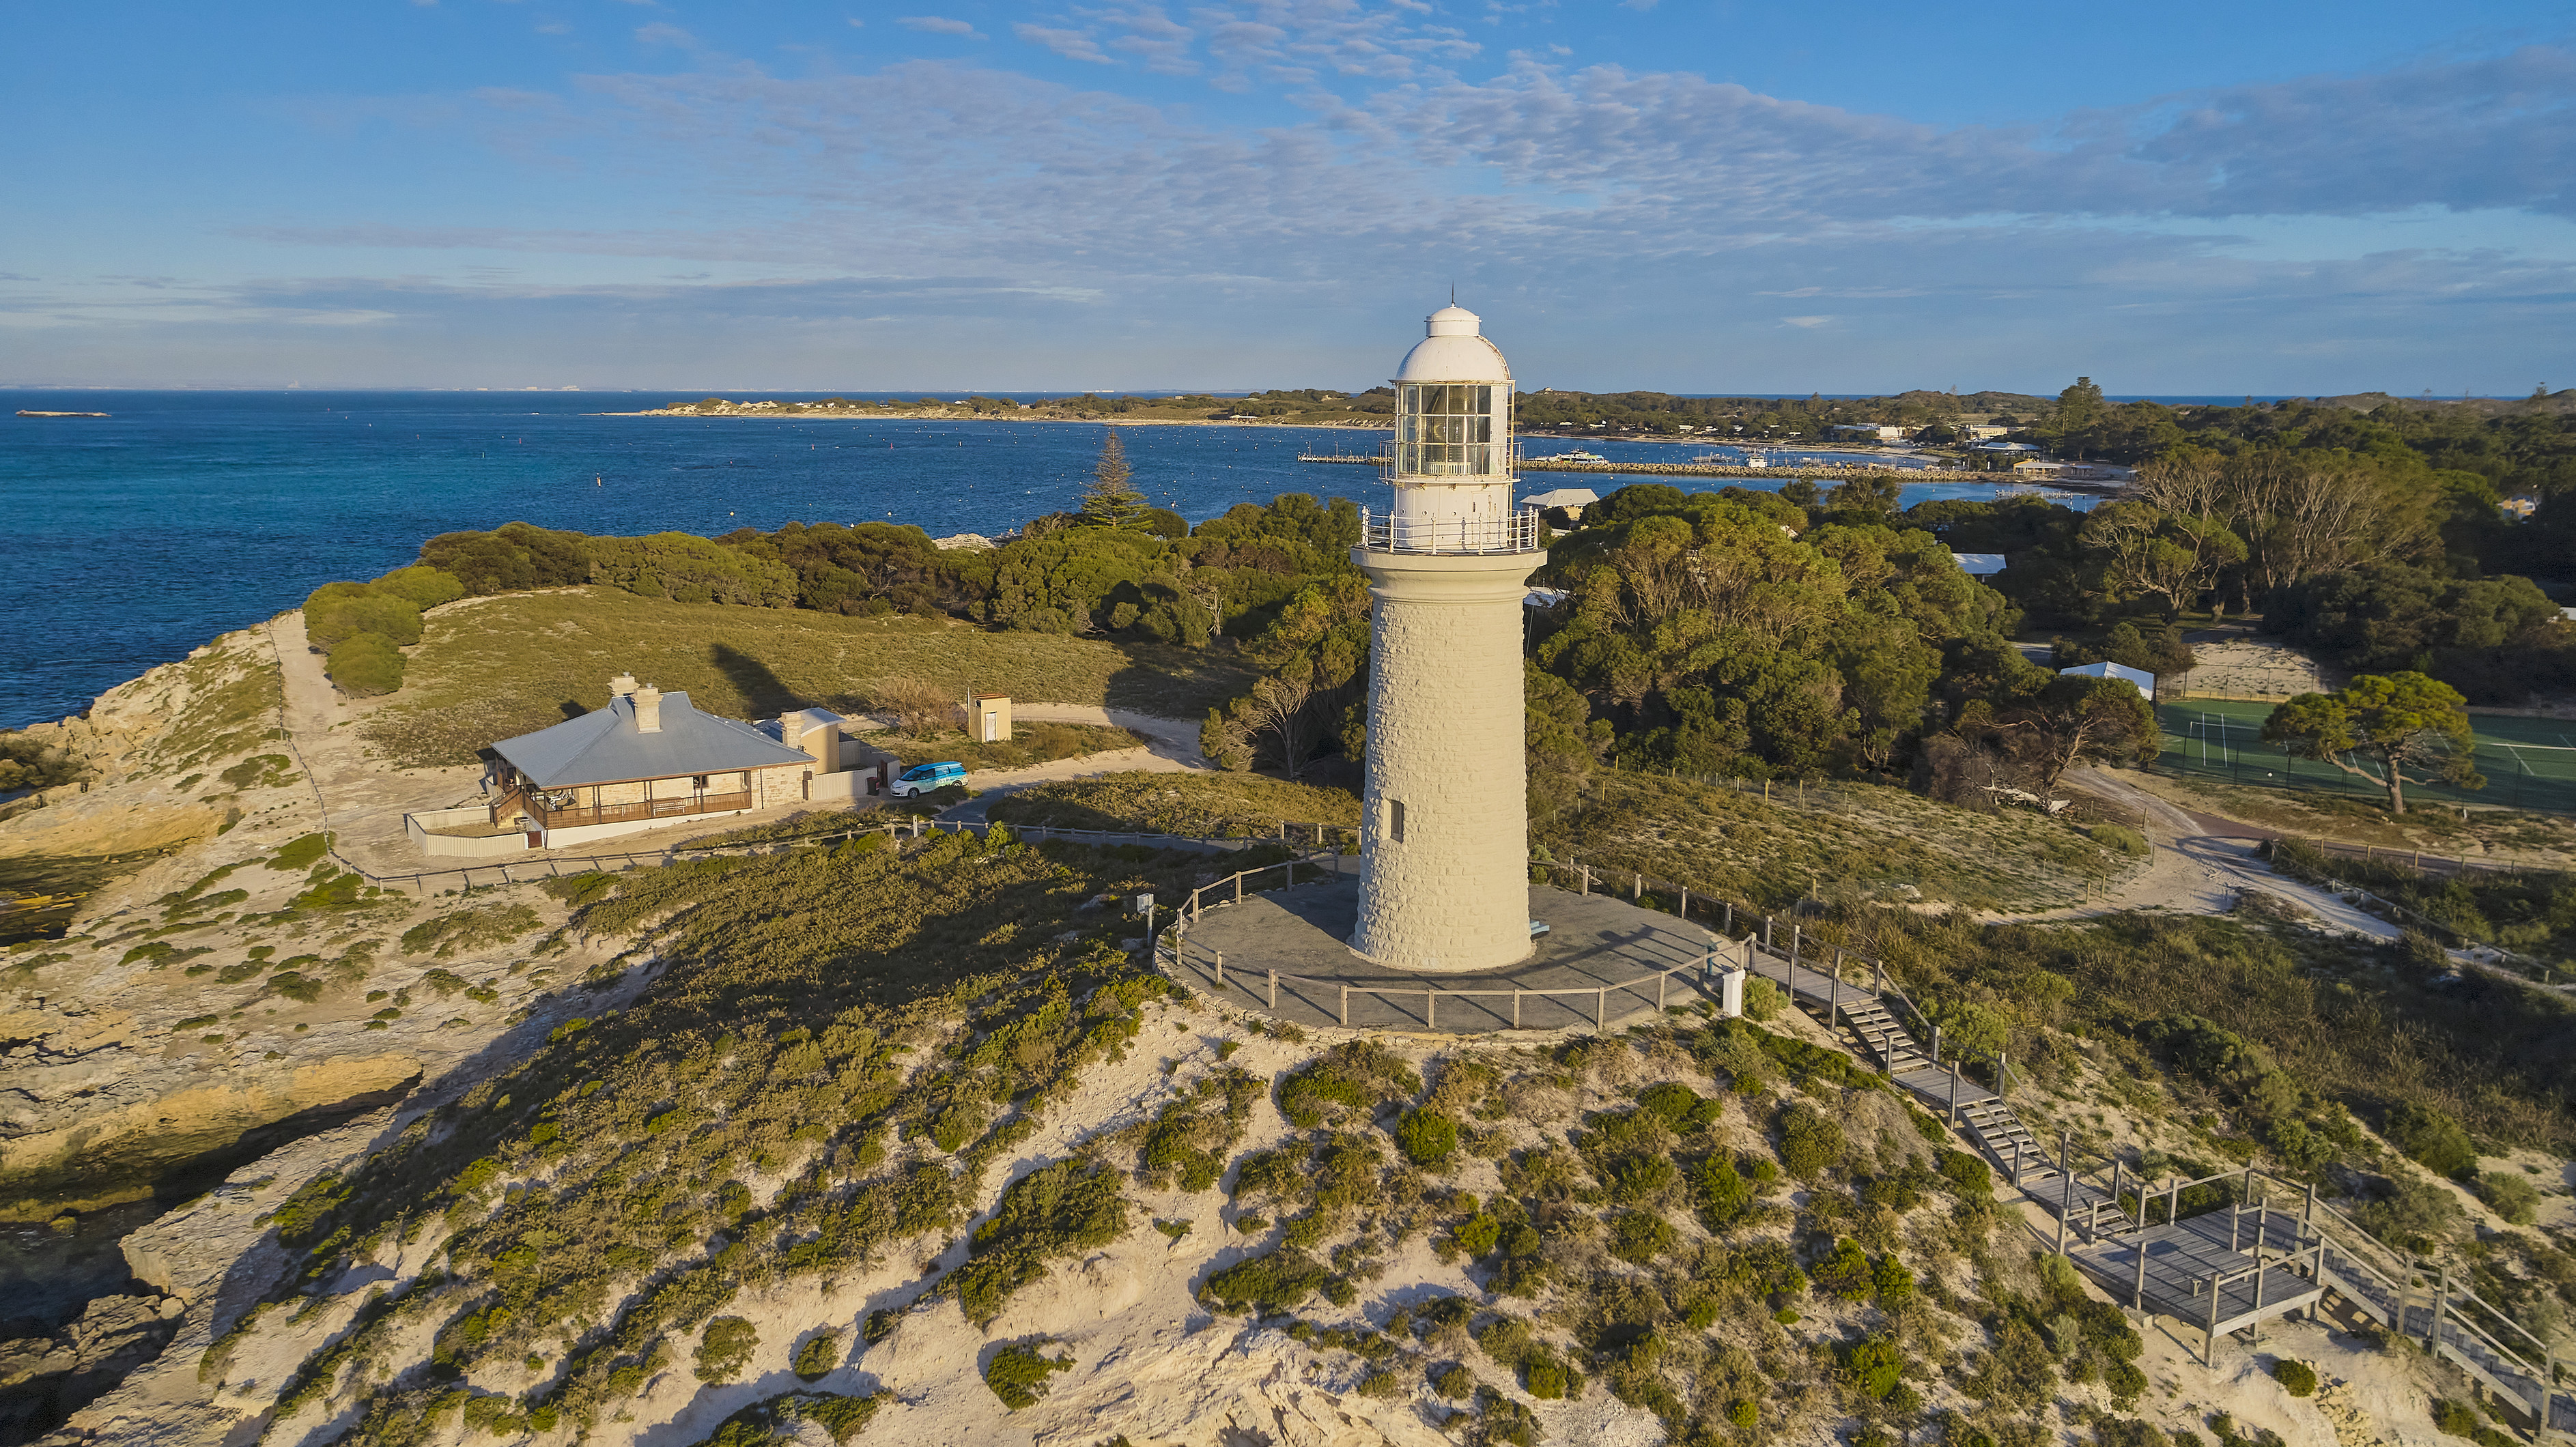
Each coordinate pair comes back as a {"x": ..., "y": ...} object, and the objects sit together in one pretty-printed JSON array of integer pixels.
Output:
[{"x": 648, "y": 709}]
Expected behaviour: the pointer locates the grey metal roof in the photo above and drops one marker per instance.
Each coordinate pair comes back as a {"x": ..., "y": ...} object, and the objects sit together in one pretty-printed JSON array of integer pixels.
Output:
[{"x": 604, "y": 747}]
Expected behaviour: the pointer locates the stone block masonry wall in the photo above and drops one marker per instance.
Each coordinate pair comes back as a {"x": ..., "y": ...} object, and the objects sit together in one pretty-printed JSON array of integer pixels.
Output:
[
  {"x": 784, "y": 785},
  {"x": 1446, "y": 729}
]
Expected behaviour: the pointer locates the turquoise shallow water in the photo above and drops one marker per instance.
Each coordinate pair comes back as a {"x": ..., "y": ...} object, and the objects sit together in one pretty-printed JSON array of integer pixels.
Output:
[{"x": 134, "y": 538}]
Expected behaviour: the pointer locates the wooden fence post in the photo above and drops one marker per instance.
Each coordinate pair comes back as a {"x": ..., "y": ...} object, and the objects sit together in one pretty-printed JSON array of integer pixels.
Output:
[
  {"x": 1430, "y": 1009},
  {"x": 2066, "y": 1186},
  {"x": 2138, "y": 1292},
  {"x": 1516, "y": 1009},
  {"x": 1346, "y": 1007},
  {"x": 1601, "y": 1011},
  {"x": 1220, "y": 969},
  {"x": 1274, "y": 989}
]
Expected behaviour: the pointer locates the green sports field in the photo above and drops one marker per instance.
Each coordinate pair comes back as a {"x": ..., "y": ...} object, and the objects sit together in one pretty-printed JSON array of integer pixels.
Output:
[{"x": 2529, "y": 763}]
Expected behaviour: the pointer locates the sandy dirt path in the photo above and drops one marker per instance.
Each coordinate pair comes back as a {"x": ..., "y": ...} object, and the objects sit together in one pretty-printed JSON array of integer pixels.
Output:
[
  {"x": 1172, "y": 748},
  {"x": 2198, "y": 870}
]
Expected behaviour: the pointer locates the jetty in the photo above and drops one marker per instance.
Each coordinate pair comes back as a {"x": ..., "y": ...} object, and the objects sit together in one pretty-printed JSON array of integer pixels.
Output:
[{"x": 29, "y": 412}]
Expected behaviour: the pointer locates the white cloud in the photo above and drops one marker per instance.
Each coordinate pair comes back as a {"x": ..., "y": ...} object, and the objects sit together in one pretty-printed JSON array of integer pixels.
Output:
[
  {"x": 662, "y": 32},
  {"x": 939, "y": 25},
  {"x": 1805, "y": 321},
  {"x": 1071, "y": 44}
]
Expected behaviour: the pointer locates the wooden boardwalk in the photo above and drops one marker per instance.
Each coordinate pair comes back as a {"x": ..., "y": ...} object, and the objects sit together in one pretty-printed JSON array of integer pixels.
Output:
[{"x": 2221, "y": 1271}]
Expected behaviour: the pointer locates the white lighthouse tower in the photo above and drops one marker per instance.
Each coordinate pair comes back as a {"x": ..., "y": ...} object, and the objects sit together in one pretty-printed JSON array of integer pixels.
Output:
[{"x": 1444, "y": 843}]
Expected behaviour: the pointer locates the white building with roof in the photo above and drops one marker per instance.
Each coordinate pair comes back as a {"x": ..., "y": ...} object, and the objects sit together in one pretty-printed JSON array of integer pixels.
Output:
[
  {"x": 2137, "y": 678},
  {"x": 646, "y": 761}
]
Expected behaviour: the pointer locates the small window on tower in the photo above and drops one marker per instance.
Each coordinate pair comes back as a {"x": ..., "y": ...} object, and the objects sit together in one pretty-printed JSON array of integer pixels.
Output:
[{"x": 1395, "y": 821}]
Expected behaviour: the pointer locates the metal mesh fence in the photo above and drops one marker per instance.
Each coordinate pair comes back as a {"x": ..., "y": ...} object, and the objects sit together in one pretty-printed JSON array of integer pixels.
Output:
[{"x": 2529, "y": 763}]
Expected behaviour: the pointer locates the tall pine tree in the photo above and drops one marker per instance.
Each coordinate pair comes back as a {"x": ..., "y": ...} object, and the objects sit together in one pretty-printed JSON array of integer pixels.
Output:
[{"x": 1109, "y": 501}]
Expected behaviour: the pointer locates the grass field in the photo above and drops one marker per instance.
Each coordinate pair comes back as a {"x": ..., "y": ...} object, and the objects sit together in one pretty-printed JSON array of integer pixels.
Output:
[
  {"x": 2529, "y": 763},
  {"x": 1866, "y": 841},
  {"x": 497, "y": 667}
]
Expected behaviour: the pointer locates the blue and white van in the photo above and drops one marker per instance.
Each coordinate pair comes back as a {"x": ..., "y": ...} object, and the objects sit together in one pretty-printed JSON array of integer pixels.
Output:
[{"x": 922, "y": 778}]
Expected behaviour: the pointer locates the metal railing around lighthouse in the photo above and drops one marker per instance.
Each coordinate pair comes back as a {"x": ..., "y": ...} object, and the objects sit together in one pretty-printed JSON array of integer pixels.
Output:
[
  {"x": 1691, "y": 962},
  {"x": 1521, "y": 532}
]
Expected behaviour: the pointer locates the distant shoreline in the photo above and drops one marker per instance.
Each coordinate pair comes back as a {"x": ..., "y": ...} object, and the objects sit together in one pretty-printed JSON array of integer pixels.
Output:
[{"x": 949, "y": 415}]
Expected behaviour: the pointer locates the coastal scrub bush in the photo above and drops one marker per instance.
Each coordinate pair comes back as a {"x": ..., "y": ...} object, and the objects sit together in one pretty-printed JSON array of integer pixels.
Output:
[
  {"x": 466, "y": 930},
  {"x": 421, "y": 586},
  {"x": 2511, "y": 1197},
  {"x": 1763, "y": 1000},
  {"x": 2430, "y": 1138},
  {"x": 366, "y": 665},
  {"x": 1279, "y": 1281},
  {"x": 1428, "y": 1137},
  {"x": 726, "y": 1349},
  {"x": 337, "y": 612},
  {"x": 2126, "y": 841},
  {"x": 775, "y": 1421},
  {"x": 820, "y": 1354},
  {"x": 511, "y": 557},
  {"x": 1360, "y": 1075},
  {"x": 1873, "y": 1367},
  {"x": 300, "y": 852},
  {"x": 1051, "y": 1212},
  {"x": 1810, "y": 1142},
  {"x": 2296, "y": 1377},
  {"x": 1018, "y": 1373}
]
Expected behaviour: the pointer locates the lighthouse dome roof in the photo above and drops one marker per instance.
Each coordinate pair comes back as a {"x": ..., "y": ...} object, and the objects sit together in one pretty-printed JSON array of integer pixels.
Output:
[{"x": 1453, "y": 350}]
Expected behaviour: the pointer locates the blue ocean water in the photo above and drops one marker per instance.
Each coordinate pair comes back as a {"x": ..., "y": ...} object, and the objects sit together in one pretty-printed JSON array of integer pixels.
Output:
[{"x": 136, "y": 537}]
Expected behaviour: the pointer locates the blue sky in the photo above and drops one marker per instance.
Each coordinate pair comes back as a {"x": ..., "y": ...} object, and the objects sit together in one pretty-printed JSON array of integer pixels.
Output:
[{"x": 2192, "y": 198}]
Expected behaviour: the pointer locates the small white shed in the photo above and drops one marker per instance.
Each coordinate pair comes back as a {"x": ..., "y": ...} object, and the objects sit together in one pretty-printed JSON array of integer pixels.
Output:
[{"x": 2137, "y": 678}]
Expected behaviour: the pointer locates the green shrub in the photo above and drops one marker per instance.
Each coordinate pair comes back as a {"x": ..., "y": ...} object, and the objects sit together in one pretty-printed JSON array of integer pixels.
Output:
[
  {"x": 2431, "y": 1139},
  {"x": 1453, "y": 1381},
  {"x": 421, "y": 586},
  {"x": 1018, "y": 1373},
  {"x": 1844, "y": 1271},
  {"x": 2127, "y": 841},
  {"x": 1639, "y": 1237},
  {"x": 1763, "y": 1000},
  {"x": 334, "y": 621},
  {"x": 2454, "y": 1418},
  {"x": 2511, "y": 1197},
  {"x": 775, "y": 1421},
  {"x": 300, "y": 852},
  {"x": 1873, "y": 1367},
  {"x": 1055, "y": 1211},
  {"x": 1742, "y": 1412},
  {"x": 1810, "y": 1142},
  {"x": 1359, "y": 1076},
  {"x": 726, "y": 1349},
  {"x": 1967, "y": 1174},
  {"x": 1279, "y": 1281},
  {"x": 466, "y": 930},
  {"x": 366, "y": 665},
  {"x": 820, "y": 1354},
  {"x": 1428, "y": 1137},
  {"x": 2298, "y": 1378}
]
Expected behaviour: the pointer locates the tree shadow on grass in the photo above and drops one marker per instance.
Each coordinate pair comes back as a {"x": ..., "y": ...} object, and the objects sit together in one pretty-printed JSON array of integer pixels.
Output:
[{"x": 763, "y": 691}]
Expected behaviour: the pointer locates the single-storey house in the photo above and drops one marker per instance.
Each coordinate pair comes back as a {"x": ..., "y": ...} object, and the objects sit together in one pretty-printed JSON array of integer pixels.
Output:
[
  {"x": 2036, "y": 468},
  {"x": 2012, "y": 447},
  {"x": 2137, "y": 678},
  {"x": 1869, "y": 431},
  {"x": 1982, "y": 431},
  {"x": 647, "y": 760}
]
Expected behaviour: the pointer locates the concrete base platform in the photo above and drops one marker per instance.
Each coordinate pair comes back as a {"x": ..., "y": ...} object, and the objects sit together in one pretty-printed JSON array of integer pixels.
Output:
[{"x": 1603, "y": 963}]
